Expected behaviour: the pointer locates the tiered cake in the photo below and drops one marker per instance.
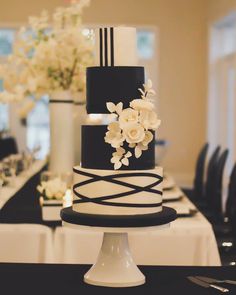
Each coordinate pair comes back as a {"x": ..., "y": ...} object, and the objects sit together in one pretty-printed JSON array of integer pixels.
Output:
[{"x": 117, "y": 175}]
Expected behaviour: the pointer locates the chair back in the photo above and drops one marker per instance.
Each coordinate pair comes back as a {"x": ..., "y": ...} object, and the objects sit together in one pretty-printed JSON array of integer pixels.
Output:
[
  {"x": 8, "y": 147},
  {"x": 198, "y": 189},
  {"x": 218, "y": 187},
  {"x": 230, "y": 207},
  {"x": 210, "y": 177}
]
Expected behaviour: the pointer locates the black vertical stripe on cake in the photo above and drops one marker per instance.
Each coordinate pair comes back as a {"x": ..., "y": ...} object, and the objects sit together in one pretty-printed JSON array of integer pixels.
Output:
[
  {"x": 112, "y": 46},
  {"x": 101, "y": 46},
  {"x": 106, "y": 47}
]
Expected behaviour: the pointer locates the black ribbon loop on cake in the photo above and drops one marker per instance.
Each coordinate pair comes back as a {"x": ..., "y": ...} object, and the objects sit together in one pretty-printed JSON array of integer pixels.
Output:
[{"x": 113, "y": 179}]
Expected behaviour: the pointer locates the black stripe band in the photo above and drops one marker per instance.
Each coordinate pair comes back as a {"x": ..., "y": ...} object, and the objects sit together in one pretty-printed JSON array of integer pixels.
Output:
[
  {"x": 128, "y": 205},
  {"x": 106, "y": 47},
  {"x": 101, "y": 47},
  {"x": 79, "y": 103},
  {"x": 112, "y": 46},
  {"x": 60, "y": 101}
]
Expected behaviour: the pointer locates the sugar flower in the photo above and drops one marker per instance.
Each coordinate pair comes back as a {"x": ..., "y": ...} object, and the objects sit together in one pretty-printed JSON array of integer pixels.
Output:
[{"x": 134, "y": 126}]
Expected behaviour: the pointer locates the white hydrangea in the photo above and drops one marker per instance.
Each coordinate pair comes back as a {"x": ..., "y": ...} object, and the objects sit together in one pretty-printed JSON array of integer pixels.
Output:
[
  {"x": 53, "y": 189},
  {"x": 51, "y": 55}
]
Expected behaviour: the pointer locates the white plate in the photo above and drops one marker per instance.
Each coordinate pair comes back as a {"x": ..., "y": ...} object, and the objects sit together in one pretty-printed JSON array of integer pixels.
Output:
[
  {"x": 168, "y": 182},
  {"x": 173, "y": 194}
]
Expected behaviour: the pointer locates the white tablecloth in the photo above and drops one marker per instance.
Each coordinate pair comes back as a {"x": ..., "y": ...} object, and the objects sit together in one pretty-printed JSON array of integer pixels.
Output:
[
  {"x": 188, "y": 241},
  {"x": 8, "y": 192}
]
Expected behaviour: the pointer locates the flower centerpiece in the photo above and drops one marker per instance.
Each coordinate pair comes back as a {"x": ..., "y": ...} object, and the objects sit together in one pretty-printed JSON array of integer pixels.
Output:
[
  {"x": 53, "y": 193},
  {"x": 50, "y": 54},
  {"x": 53, "y": 189},
  {"x": 133, "y": 126}
]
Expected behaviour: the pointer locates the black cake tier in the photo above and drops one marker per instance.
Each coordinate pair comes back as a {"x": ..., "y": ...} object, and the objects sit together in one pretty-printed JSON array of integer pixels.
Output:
[
  {"x": 96, "y": 153},
  {"x": 112, "y": 84}
]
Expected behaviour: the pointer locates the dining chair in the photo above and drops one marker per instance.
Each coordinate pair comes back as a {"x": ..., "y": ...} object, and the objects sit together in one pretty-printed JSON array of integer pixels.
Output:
[
  {"x": 216, "y": 201},
  {"x": 196, "y": 193},
  {"x": 226, "y": 233},
  {"x": 230, "y": 207},
  {"x": 8, "y": 146},
  {"x": 210, "y": 177},
  {"x": 198, "y": 186}
]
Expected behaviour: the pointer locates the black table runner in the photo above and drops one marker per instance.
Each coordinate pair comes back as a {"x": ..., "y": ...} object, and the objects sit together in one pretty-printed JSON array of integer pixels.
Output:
[
  {"x": 68, "y": 279},
  {"x": 24, "y": 206}
]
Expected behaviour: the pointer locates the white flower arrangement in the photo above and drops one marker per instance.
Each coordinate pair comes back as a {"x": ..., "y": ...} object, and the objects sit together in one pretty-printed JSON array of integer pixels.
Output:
[
  {"x": 50, "y": 54},
  {"x": 133, "y": 125},
  {"x": 53, "y": 189}
]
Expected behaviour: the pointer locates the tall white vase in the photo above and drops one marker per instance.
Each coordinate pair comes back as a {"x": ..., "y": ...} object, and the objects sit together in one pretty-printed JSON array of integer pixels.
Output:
[
  {"x": 80, "y": 116},
  {"x": 61, "y": 132},
  {"x": 79, "y": 119}
]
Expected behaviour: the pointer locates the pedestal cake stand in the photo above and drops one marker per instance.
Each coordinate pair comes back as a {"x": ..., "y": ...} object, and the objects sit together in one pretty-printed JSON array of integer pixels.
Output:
[{"x": 115, "y": 266}]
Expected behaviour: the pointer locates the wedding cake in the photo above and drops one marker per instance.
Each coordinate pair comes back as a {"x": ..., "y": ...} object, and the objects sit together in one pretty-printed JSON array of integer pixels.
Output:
[{"x": 117, "y": 175}]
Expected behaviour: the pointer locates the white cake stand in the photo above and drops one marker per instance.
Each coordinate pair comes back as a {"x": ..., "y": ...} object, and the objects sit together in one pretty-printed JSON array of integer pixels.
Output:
[{"x": 115, "y": 266}]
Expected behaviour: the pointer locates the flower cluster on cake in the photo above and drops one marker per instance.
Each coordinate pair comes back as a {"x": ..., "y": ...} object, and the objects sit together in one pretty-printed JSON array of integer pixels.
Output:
[{"x": 133, "y": 125}]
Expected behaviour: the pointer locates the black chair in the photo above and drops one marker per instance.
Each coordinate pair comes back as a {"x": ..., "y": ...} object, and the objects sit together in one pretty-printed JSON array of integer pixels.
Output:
[
  {"x": 8, "y": 147},
  {"x": 196, "y": 194},
  {"x": 226, "y": 233},
  {"x": 231, "y": 198},
  {"x": 210, "y": 177},
  {"x": 216, "y": 201},
  {"x": 198, "y": 185}
]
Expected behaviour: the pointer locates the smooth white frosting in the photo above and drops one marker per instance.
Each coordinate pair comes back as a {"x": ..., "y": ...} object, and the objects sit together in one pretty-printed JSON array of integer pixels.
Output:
[{"x": 125, "y": 47}]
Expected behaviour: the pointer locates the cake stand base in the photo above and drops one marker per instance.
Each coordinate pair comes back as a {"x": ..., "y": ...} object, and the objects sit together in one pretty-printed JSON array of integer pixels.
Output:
[{"x": 115, "y": 266}]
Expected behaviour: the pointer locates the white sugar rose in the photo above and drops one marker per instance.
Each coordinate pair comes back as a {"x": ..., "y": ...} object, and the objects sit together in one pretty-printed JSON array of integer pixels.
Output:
[
  {"x": 149, "y": 120},
  {"x": 114, "y": 136},
  {"x": 148, "y": 138},
  {"x": 134, "y": 133},
  {"x": 141, "y": 104},
  {"x": 128, "y": 116}
]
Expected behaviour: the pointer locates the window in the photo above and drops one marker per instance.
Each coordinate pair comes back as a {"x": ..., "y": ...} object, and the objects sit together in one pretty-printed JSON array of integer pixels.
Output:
[
  {"x": 38, "y": 119},
  {"x": 222, "y": 81}
]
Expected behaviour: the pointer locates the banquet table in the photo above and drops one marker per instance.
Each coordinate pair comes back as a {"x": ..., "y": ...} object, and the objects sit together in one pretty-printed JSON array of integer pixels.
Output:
[
  {"x": 7, "y": 192},
  {"x": 188, "y": 241},
  {"x": 20, "y": 203},
  {"x": 68, "y": 279}
]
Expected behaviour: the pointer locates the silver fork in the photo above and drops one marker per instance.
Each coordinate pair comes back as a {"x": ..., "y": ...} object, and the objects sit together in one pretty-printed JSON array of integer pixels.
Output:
[{"x": 211, "y": 280}]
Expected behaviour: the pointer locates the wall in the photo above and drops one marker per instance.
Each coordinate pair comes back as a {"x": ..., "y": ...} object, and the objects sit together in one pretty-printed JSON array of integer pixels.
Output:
[
  {"x": 219, "y": 8},
  {"x": 183, "y": 52}
]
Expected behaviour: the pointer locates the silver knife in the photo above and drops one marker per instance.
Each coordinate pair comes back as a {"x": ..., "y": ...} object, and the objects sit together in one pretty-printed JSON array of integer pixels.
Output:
[
  {"x": 207, "y": 285},
  {"x": 211, "y": 280}
]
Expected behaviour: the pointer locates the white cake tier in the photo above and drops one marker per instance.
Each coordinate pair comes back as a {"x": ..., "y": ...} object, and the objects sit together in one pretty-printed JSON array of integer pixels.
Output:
[
  {"x": 124, "y": 45},
  {"x": 117, "y": 192}
]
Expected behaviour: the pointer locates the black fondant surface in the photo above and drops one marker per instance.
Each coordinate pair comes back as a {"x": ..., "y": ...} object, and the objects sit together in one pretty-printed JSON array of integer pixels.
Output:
[
  {"x": 96, "y": 153},
  {"x": 112, "y": 84},
  {"x": 165, "y": 216}
]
